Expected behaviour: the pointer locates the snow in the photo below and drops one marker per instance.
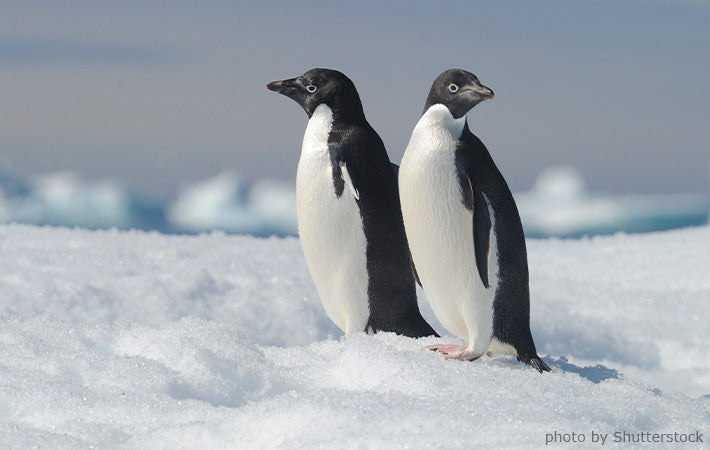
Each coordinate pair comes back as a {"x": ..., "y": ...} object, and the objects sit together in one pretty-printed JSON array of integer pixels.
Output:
[{"x": 143, "y": 340}]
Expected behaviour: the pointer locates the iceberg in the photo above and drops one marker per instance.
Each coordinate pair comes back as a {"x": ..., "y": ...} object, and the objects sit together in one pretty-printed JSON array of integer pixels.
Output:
[{"x": 559, "y": 204}]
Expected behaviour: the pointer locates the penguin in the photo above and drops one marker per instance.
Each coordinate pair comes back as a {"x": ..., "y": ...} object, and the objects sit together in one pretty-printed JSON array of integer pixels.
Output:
[
  {"x": 464, "y": 230},
  {"x": 349, "y": 218}
]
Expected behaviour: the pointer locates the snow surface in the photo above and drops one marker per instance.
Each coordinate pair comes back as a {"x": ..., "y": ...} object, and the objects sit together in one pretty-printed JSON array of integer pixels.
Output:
[{"x": 142, "y": 340}]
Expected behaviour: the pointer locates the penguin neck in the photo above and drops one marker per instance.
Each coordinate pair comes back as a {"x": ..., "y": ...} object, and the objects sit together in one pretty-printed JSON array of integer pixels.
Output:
[
  {"x": 348, "y": 111},
  {"x": 439, "y": 116}
]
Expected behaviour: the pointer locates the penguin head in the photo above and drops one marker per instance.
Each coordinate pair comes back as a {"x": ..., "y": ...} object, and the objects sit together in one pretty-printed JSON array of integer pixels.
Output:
[
  {"x": 319, "y": 86},
  {"x": 458, "y": 90}
]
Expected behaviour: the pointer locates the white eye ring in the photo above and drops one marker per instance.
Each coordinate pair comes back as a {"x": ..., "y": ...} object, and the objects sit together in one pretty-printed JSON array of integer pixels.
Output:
[
  {"x": 453, "y": 88},
  {"x": 310, "y": 88}
]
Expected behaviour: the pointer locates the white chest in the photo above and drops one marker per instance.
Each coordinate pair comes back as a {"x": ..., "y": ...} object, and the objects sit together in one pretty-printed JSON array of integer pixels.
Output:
[
  {"x": 440, "y": 229},
  {"x": 331, "y": 231}
]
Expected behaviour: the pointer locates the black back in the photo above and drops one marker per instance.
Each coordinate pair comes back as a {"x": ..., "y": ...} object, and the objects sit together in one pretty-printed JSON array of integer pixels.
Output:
[{"x": 354, "y": 143}]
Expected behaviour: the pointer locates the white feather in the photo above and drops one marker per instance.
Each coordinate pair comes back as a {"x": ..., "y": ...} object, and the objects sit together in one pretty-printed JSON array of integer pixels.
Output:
[
  {"x": 331, "y": 231},
  {"x": 440, "y": 231}
]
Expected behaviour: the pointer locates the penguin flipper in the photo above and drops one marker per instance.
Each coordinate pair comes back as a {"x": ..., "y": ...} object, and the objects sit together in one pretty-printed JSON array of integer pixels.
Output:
[
  {"x": 481, "y": 232},
  {"x": 414, "y": 272},
  {"x": 348, "y": 180}
]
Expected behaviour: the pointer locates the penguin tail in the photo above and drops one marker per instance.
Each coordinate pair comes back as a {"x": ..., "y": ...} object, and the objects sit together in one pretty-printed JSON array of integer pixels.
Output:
[
  {"x": 536, "y": 362},
  {"x": 418, "y": 327},
  {"x": 424, "y": 330},
  {"x": 414, "y": 327}
]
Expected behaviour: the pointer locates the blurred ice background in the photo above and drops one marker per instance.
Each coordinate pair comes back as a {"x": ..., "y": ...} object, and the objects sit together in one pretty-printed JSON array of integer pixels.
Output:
[
  {"x": 155, "y": 115},
  {"x": 558, "y": 204}
]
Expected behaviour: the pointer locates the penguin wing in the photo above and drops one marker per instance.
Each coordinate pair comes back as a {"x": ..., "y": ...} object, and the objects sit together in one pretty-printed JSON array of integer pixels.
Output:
[
  {"x": 345, "y": 148},
  {"x": 348, "y": 179},
  {"x": 414, "y": 270},
  {"x": 481, "y": 228}
]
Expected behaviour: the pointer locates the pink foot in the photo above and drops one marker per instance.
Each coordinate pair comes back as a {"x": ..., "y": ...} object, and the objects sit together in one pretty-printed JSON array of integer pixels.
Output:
[
  {"x": 446, "y": 348},
  {"x": 451, "y": 351}
]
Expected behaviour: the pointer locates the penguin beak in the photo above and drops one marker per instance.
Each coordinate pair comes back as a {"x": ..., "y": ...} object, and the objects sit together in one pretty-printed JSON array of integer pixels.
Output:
[
  {"x": 476, "y": 93},
  {"x": 283, "y": 86},
  {"x": 481, "y": 92},
  {"x": 293, "y": 89}
]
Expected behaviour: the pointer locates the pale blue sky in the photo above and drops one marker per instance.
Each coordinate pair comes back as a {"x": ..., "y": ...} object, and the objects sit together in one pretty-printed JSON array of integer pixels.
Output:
[{"x": 156, "y": 94}]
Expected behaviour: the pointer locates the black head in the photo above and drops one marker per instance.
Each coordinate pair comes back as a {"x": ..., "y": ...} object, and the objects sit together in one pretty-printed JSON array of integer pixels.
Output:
[
  {"x": 318, "y": 86},
  {"x": 458, "y": 90}
]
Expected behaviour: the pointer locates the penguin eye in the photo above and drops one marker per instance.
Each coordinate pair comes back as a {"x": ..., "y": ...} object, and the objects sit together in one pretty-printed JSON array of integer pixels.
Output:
[
  {"x": 310, "y": 88},
  {"x": 453, "y": 88}
]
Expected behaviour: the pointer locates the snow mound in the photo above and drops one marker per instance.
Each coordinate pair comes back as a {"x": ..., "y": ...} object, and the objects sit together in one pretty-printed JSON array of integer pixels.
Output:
[
  {"x": 141, "y": 340},
  {"x": 107, "y": 276}
]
